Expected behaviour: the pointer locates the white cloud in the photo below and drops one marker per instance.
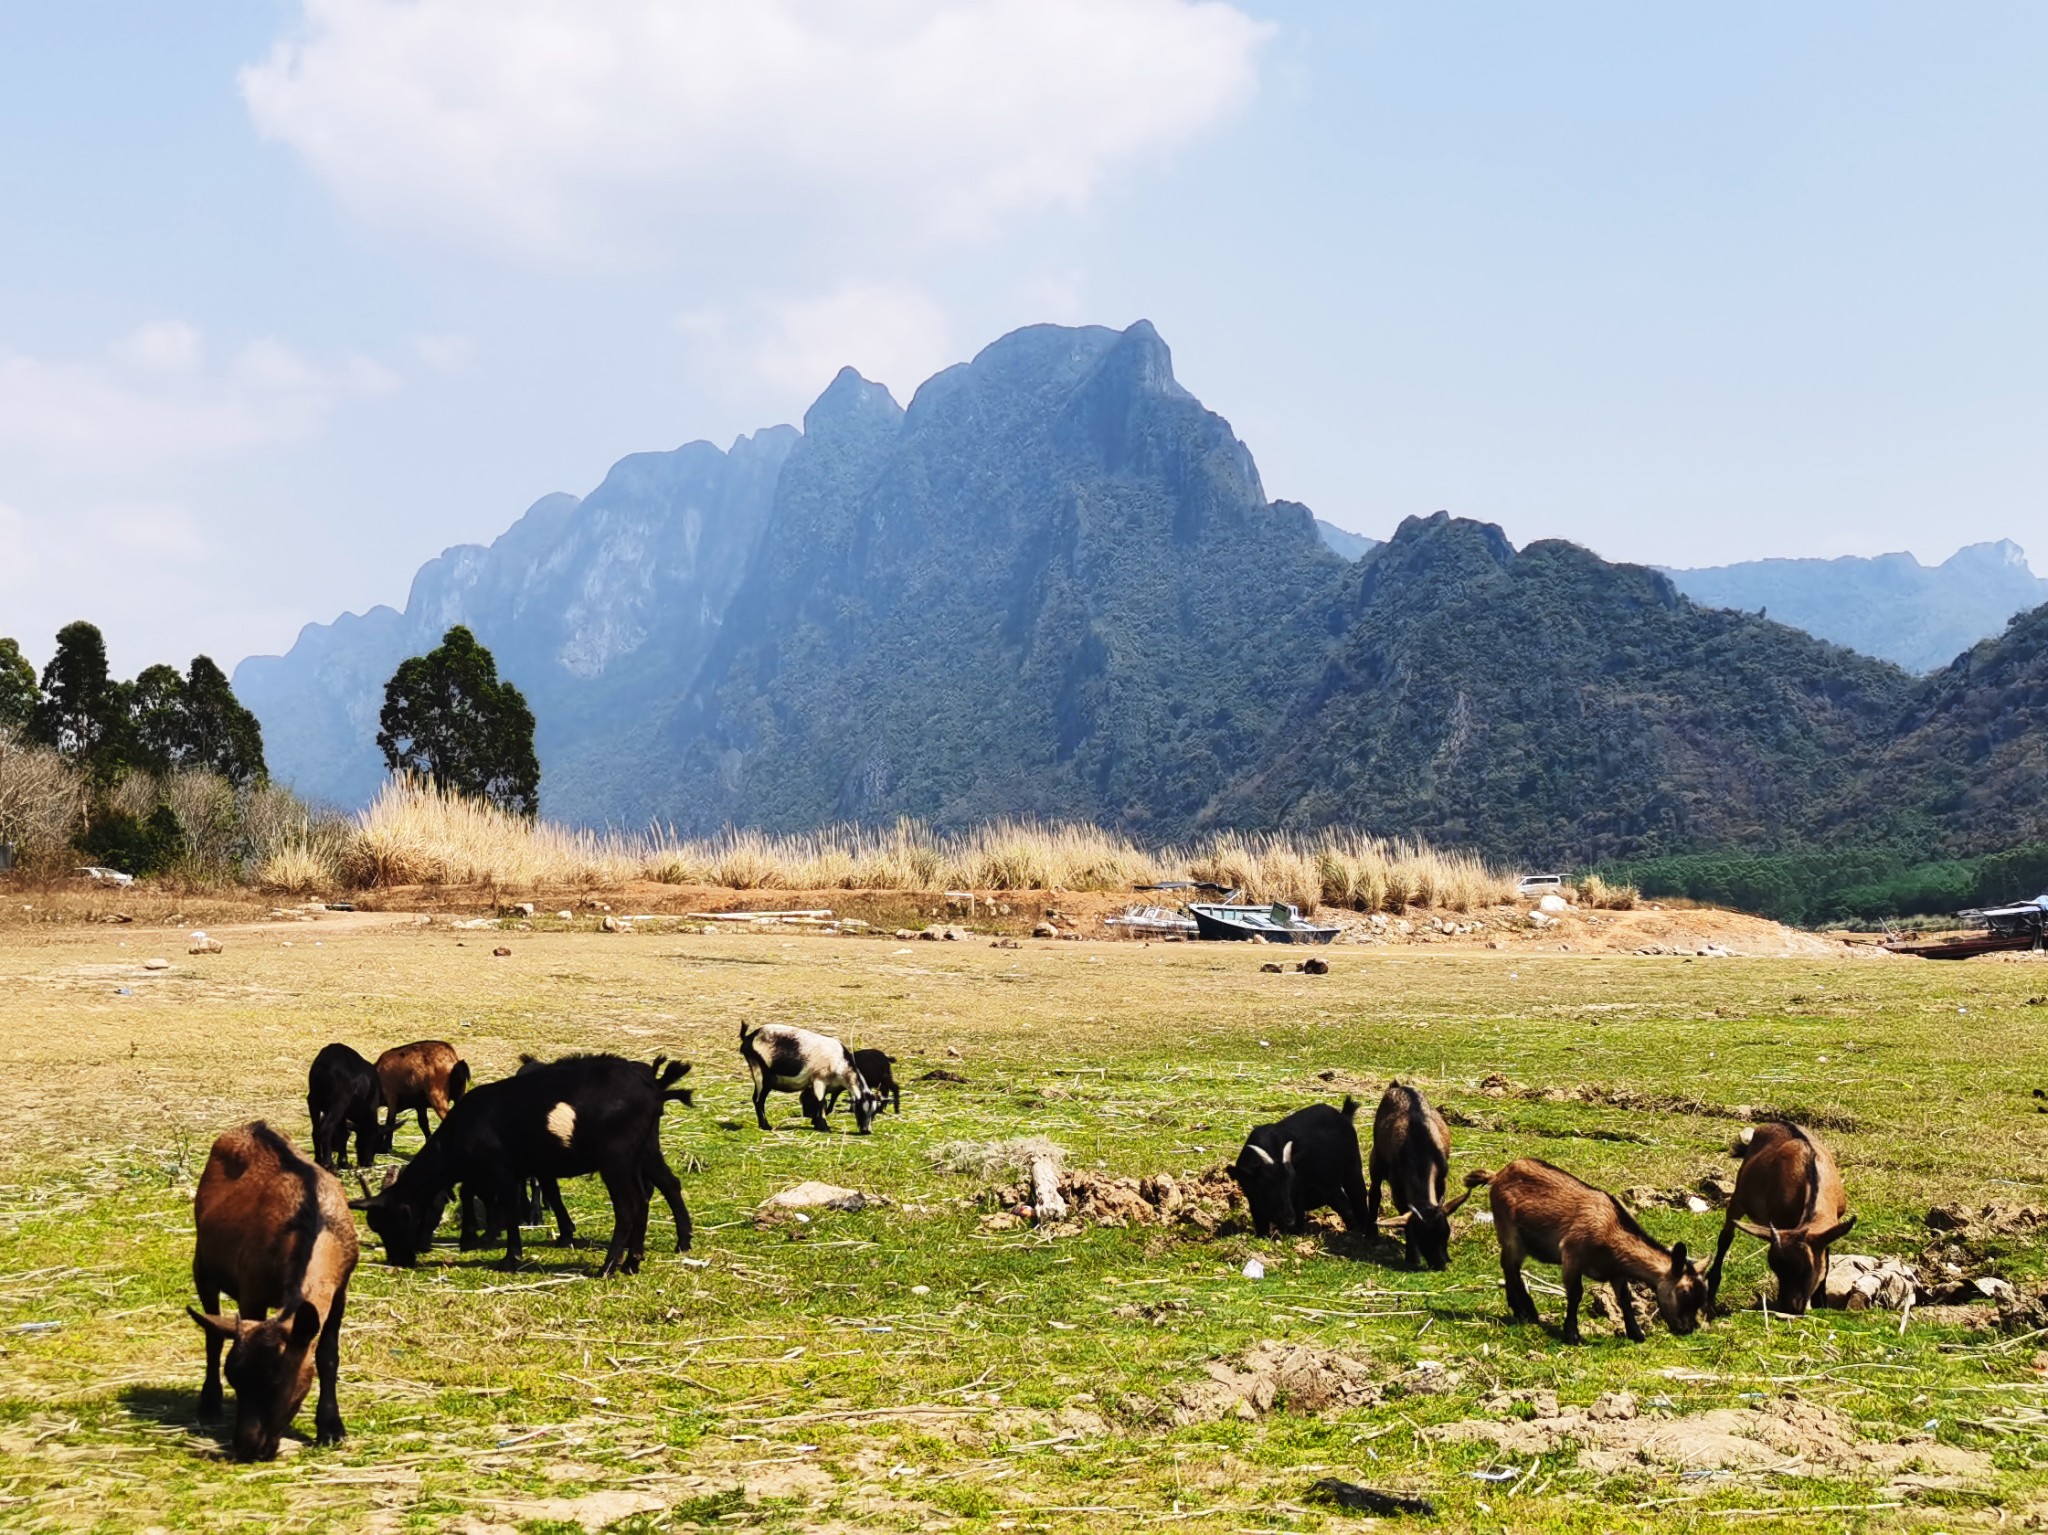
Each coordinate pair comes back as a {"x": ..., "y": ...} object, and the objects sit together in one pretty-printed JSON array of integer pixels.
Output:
[
  {"x": 156, "y": 402},
  {"x": 591, "y": 130},
  {"x": 162, "y": 346},
  {"x": 894, "y": 335}
]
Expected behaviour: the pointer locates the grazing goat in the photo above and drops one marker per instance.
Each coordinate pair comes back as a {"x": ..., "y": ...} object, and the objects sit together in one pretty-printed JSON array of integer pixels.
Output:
[
  {"x": 426, "y": 1074},
  {"x": 548, "y": 1191},
  {"x": 1306, "y": 1161},
  {"x": 1542, "y": 1212},
  {"x": 274, "y": 1233},
  {"x": 1792, "y": 1195},
  {"x": 878, "y": 1071},
  {"x": 583, "y": 1114},
  {"x": 1411, "y": 1153},
  {"x": 343, "y": 1097},
  {"x": 784, "y": 1059}
]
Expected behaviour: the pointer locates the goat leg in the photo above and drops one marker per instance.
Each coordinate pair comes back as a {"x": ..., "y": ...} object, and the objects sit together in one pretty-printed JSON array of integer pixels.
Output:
[
  {"x": 327, "y": 1424},
  {"x": 1574, "y": 1292},
  {"x": 1520, "y": 1307},
  {"x": 1627, "y": 1303},
  {"x": 760, "y": 1112},
  {"x": 565, "y": 1229},
  {"x": 1721, "y": 1246},
  {"x": 209, "y": 1394}
]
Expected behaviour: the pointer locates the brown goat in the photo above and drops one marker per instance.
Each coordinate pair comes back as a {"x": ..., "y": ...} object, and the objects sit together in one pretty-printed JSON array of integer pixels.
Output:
[
  {"x": 1542, "y": 1212},
  {"x": 426, "y": 1074},
  {"x": 1411, "y": 1153},
  {"x": 1790, "y": 1191},
  {"x": 275, "y": 1234}
]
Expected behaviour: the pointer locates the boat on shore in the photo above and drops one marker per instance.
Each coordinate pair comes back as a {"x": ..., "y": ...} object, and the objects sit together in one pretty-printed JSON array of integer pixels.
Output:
[
  {"x": 2006, "y": 929},
  {"x": 1277, "y": 923}
]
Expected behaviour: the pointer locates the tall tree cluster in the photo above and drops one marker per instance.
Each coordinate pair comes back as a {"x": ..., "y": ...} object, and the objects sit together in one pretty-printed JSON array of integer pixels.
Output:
[
  {"x": 160, "y": 722},
  {"x": 449, "y": 718}
]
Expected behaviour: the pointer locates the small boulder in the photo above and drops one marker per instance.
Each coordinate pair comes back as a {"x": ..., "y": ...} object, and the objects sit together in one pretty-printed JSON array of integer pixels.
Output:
[
  {"x": 1045, "y": 930},
  {"x": 614, "y": 925},
  {"x": 1270, "y": 967},
  {"x": 501, "y": 952},
  {"x": 156, "y": 964}
]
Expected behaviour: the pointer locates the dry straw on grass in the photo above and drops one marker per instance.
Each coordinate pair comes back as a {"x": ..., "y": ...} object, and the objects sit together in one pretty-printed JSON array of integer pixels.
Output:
[{"x": 414, "y": 835}]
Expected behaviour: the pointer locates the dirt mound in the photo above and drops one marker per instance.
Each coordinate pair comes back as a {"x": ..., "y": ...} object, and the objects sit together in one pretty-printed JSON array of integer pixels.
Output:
[
  {"x": 1994, "y": 1220},
  {"x": 1288, "y": 1376},
  {"x": 1787, "y": 1437},
  {"x": 1206, "y": 1201}
]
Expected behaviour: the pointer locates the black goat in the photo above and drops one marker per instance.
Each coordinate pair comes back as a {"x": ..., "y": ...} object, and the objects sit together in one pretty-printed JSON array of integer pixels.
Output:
[
  {"x": 877, "y": 1070},
  {"x": 343, "y": 1097},
  {"x": 1305, "y": 1162},
  {"x": 583, "y": 1114},
  {"x": 1411, "y": 1153},
  {"x": 483, "y": 1228}
]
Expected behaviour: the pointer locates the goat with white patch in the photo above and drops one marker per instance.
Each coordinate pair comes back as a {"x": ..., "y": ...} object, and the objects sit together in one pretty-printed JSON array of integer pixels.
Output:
[{"x": 784, "y": 1059}]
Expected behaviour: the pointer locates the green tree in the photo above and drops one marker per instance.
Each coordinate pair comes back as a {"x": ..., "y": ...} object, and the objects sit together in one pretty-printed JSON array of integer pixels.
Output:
[
  {"x": 156, "y": 719},
  {"x": 447, "y": 717},
  {"x": 220, "y": 734},
  {"x": 83, "y": 712},
  {"x": 19, "y": 693}
]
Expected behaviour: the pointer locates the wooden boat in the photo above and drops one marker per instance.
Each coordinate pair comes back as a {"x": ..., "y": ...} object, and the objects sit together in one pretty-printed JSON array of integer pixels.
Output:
[
  {"x": 2023, "y": 925},
  {"x": 1278, "y": 923}
]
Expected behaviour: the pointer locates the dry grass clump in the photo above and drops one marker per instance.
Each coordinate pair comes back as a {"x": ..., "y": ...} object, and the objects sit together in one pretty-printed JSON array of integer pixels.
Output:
[
  {"x": 1348, "y": 869},
  {"x": 1595, "y": 893},
  {"x": 414, "y": 834},
  {"x": 41, "y": 799}
]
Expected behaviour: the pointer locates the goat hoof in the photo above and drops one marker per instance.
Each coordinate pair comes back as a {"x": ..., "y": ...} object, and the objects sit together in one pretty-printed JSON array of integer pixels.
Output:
[
  {"x": 330, "y": 1434},
  {"x": 209, "y": 1406}
]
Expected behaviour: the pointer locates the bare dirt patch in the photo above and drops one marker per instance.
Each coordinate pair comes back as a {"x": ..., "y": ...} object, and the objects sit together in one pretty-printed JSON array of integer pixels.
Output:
[
  {"x": 1788, "y": 1436},
  {"x": 1271, "y": 1376}
]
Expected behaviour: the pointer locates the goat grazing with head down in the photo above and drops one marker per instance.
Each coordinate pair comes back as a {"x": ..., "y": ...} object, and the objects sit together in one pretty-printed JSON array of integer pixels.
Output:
[
  {"x": 426, "y": 1074},
  {"x": 782, "y": 1058},
  {"x": 273, "y": 1233},
  {"x": 1791, "y": 1195},
  {"x": 1302, "y": 1163},
  {"x": 1544, "y": 1213},
  {"x": 342, "y": 1097},
  {"x": 560, "y": 1119},
  {"x": 1411, "y": 1154}
]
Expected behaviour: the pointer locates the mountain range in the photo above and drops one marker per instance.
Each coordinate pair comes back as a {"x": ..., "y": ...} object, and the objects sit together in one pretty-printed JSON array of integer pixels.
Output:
[{"x": 1054, "y": 585}]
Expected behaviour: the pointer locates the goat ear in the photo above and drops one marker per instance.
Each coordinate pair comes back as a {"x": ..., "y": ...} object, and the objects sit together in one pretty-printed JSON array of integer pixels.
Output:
[
  {"x": 1677, "y": 1256},
  {"x": 390, "y": 1177},
  {"x": 227, "y": 1329},
  {"x": 1452, "y": 1207},
  {"x": 305, "y": 1324},
  {"x": 1287, "y": 1154},
  {"x": 1833, "y": 1233}
]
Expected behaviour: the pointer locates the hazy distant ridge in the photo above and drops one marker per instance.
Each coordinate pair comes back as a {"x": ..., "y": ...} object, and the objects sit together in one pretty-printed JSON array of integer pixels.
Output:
[{"x": 1890, "y": 606}]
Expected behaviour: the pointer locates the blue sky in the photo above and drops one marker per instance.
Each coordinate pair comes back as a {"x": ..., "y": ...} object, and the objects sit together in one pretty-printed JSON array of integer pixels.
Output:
[{"x": 1683, "y": 283}]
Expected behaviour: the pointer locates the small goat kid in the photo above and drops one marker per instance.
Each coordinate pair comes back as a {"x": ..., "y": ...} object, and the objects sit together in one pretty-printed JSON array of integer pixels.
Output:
[
  {"x": 1306, "y": 1161},
  {"x": 878, "y": 1070},
  {"x": 785, "y": 1059},
  {"x": 343, "y": 1097},
  {"x": 426, "y": 1074},
  {"x": 1544, "y": 1213},
  {"x": 1411, "y": 1153},
  {"x": 1791, "y": 1193},
  {"x": 274, "y": 1233}
]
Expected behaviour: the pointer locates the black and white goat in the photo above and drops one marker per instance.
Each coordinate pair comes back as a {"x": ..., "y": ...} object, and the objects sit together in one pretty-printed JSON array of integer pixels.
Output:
[{"x": 784, "y": 1059}]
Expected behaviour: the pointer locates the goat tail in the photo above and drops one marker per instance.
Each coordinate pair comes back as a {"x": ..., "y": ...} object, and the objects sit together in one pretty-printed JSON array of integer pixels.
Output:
[
  {"x": 747, "y": 1035},
  {"x": 1350, "y": 1109},
  {"x": 458, "y": 1080},
  {"x": 1478, "y": 1177},
  {"x": 1743, "y": 1144},
  {"x": 683, "y": 1095}
]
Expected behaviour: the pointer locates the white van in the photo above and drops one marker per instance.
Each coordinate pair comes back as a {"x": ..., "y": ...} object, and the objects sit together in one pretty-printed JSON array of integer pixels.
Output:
[{"x": 1539, "y": 884}]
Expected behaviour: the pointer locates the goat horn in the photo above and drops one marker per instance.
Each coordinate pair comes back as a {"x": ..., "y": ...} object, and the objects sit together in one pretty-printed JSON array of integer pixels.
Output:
[
  {"x": 1761, "y": 1233},
  {"x": 365, "y": 1182},
  {"x": 1262, "y": 1154},
  {"x": 1396, "y": 1220}
]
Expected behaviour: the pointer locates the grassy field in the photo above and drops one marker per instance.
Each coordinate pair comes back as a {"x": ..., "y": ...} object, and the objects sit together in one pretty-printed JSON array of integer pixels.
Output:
[{"x": 916, "y": 1367}]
